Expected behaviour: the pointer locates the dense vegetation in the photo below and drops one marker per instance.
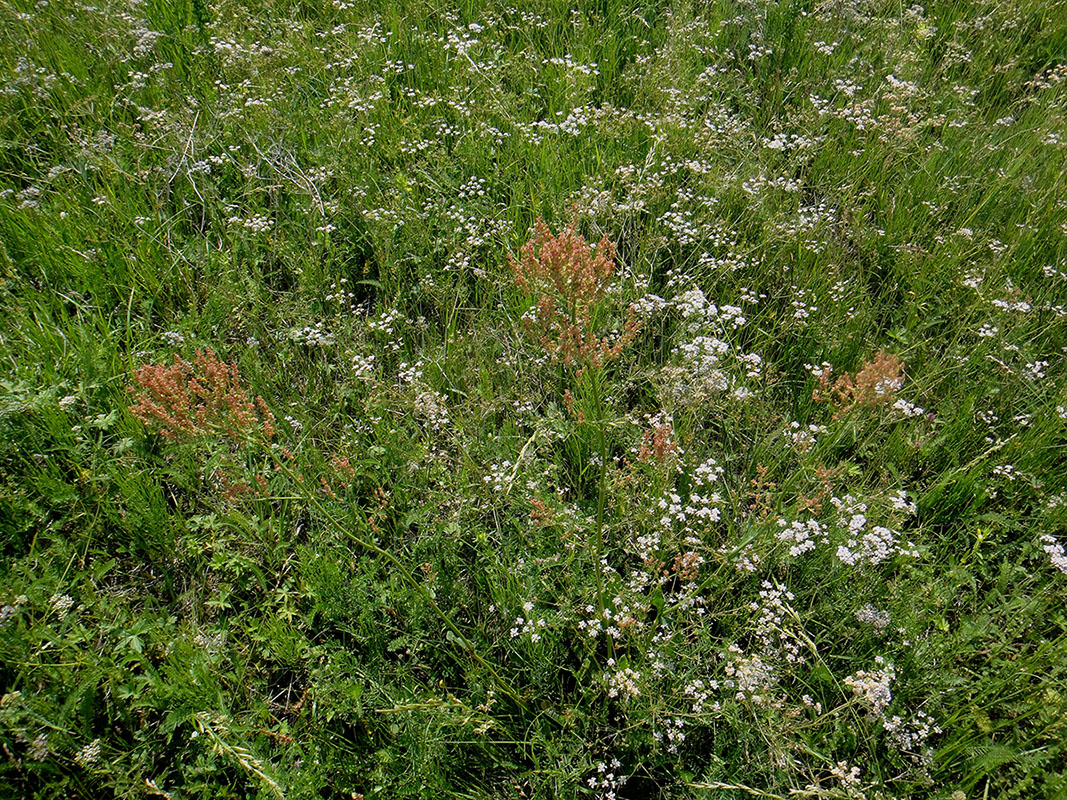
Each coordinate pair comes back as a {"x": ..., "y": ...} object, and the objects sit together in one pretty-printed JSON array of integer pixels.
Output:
[{"x": 633, "y": 398}]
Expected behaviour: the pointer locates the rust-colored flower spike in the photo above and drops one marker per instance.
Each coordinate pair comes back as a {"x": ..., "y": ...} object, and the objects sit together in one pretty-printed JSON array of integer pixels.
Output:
[
  {"x": 570, "y": 278},
  {"x": 875, "y": 384},
  {"x": 190, "y": 400}
]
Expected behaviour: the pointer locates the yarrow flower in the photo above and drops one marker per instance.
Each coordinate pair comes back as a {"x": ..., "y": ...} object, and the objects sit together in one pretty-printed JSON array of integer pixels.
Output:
[
  {"x": 89, "y": 754},
  {"x": 873, "y": 688},
  {"x": 1055, "y": 552}
]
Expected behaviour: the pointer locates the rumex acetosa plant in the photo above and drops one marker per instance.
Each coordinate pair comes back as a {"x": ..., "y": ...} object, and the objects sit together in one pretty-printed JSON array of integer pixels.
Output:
[
  {"x": 570, "y": 279},
  {"x": 874, "y": 384},
  {"x": 192, "y": 400}
]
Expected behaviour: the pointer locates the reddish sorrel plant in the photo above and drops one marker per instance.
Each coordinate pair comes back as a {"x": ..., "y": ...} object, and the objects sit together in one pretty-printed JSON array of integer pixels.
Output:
[
  {"x": 657, "y": 441},
  {"x": 570, "y": 279},
  {"x": 188, "y": 401},
  {"x": 876, "y": 383}
]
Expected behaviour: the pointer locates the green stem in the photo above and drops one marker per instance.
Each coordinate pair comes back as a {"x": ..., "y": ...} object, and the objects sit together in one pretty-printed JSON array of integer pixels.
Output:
[
  {"x": 598, "y": 539},
  {"x": 601, "y": 499}
]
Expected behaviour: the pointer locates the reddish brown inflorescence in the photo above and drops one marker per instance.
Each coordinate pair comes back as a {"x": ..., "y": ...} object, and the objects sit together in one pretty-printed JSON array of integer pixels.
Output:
[
  {"x": 657, "y": 442},
  {"x": 205, "y": 397},
  {"x": 570, "y": 279},
  {"x": 875, "y": 384}
]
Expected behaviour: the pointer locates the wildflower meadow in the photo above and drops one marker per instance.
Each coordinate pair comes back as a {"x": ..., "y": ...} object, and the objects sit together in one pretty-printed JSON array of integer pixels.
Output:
[{"x": 604, "y": 399}]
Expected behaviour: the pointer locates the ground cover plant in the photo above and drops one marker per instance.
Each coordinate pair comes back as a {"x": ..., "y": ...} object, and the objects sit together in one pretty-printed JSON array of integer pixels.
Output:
[{"x": 610, "y": 399}]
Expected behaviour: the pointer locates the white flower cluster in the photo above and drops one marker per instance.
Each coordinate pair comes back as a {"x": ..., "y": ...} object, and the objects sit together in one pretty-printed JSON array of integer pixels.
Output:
[
  {"x": 340, "y": 293},
  {"x": 624, "y": 682},
  {"x": 408, "y": 374},
  {"x": 1035, "y": 371},
  {"x": 39, "y": 748},
  {"x": 873, "y": 688},
  {"x": 700, "y": 372},
  {"x": 803, "y": 439},
  {"x": 312, "y": 335},
  {"x": 615, "y": 620},
  {"x": 750, "y": 676},
  {"x": 818, "y": 370},
  {"x": 698, "y": 507},
  {"x": 474, "y": 187},
  {"x": 802, "y": 535},
  {"x": 899, "y": 501},
  {"x": 864, "y": 545},
  {"x": 702, "y": 365},
  {"x": 1055, "y": 552},
  {"x": 784, "y": 142},
  {"x": 875, "y": 546},
  {"x": 888, "y": 386},
  {"x": 699, "y": 693},
  {"x": 849, "y": 777},
  {"x": 911, "y": 736},
  {"x": 1012, "y": 305},
  {"x": 211, "y": 643},
  {"x": 873, "y": 616},
  {"x": 363, "y": 367},
  {"x": 10, "y": 705},
  {"x": 499, "y": 476},
  {"x": 431, "y": 407},
  {"x": 746, "y": 559},
  {"x": 648, "y": 305},
  {"x": 61, "y": 604},
  {"x": 567, "y": 61},
  {"x": 774, "y": 623},
  {"x": 681, "y": 517},
  {"x": 527, "y": 626},
  {"x": 802, "y": 310},
  {"x": 1006, "y": 471},
  {"x": 607, "y": 781},
  {"x": 907, "y": 409},
  {"x": 8, "y": 611},
  {"x": 386, "y": 323},
  {"x": 672, "y": 732},
  {"x": 89, "y": 754},
  {"x": 707, "y": 472},
  {"x": 257, "y": 223},
  {"x": 757, "y": 184}
]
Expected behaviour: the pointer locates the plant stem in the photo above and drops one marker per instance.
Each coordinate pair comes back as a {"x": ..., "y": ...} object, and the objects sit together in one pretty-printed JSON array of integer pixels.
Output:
[{"x": 598, "y": 539}]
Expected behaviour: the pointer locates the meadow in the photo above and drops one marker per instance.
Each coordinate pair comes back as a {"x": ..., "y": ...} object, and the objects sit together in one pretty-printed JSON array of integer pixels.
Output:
[{"x": 603, "y": 399}]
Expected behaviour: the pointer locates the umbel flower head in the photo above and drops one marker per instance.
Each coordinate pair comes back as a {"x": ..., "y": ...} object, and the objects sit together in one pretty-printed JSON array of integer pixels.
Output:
[{"x": 570, "y": 278}]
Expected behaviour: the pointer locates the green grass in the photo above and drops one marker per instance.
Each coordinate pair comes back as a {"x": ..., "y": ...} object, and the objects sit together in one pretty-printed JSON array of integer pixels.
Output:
[{"x": 326, "y": 195}]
